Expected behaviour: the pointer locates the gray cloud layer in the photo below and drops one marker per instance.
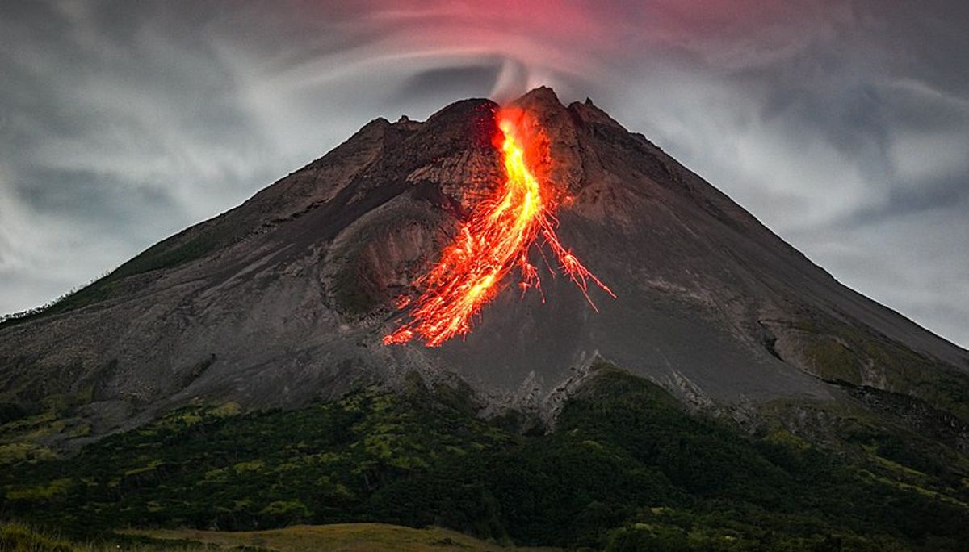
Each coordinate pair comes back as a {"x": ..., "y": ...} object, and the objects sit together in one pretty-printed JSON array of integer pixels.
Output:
[{"x": 843, "y": 125}]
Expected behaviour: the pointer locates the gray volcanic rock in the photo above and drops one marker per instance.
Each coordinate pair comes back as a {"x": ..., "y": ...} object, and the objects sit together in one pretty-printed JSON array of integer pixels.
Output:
[{"x": 286, "y": 298}]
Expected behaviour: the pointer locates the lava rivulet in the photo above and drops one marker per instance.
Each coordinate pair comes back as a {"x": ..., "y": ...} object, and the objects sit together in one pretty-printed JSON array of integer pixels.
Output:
[{"x": 494, "y": 241}]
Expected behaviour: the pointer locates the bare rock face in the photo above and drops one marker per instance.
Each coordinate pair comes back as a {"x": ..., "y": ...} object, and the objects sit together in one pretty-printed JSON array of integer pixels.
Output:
[{"x": 286, "y": 298}]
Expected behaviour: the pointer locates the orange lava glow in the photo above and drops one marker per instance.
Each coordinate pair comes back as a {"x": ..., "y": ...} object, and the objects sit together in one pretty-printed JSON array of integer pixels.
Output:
[{"x": 493, "y": 242}]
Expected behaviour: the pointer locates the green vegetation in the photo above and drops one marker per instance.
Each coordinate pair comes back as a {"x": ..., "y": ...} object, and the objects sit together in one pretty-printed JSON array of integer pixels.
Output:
[
  {"x": 28, "y": 428},
  {"x": 20, "y": 538},
  {"x": 840, "y": 352},
  {"x": 17, "y": 537},
  {"x": 627, "y": 468}
]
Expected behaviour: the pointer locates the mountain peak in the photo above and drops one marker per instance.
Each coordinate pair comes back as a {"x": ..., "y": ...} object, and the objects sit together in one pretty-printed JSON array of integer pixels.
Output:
[{"x": 537, "y": 98}]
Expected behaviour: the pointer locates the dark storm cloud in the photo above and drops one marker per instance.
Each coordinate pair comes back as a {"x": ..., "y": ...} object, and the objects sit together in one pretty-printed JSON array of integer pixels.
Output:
[{"x": 844, "y": 125}]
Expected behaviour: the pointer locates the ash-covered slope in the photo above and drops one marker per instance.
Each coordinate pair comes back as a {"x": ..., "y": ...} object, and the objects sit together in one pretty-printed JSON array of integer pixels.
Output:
[{"x": 286, "y": 298}]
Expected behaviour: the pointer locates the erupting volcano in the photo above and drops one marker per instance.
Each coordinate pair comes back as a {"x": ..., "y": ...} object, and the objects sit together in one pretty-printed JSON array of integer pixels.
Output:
[
  {"x": 495, "y": 240},
  {"x": 290, "y": 297}
]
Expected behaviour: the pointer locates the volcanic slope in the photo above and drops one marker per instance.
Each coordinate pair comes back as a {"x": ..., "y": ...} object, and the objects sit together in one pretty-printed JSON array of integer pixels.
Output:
[{"x": 287, "y": 297}]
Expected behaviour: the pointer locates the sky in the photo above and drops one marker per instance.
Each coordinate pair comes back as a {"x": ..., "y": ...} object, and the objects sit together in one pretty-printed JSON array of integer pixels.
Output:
[{"x": 842, "y": 125}]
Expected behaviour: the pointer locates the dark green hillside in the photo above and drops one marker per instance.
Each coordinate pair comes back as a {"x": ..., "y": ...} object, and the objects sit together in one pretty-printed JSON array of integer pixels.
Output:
[{"x": 626, "y": 468}]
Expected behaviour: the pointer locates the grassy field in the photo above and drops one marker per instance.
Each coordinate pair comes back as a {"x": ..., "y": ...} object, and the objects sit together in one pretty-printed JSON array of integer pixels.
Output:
[
  {"x": 342, "y": 537},
  {"x": 18, "y": 537}
]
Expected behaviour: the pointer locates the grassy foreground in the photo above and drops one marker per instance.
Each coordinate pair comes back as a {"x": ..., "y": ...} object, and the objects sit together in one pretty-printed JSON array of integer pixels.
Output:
[{"x": 342, "y": 537}]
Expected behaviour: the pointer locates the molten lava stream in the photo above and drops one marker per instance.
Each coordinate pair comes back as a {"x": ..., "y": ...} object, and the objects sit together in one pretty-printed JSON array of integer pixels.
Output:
[{"x": 495, "y": 240}]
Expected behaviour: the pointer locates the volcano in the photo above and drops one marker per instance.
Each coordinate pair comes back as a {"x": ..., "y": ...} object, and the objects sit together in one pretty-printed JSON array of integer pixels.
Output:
[{"x": 289, "y": 297}]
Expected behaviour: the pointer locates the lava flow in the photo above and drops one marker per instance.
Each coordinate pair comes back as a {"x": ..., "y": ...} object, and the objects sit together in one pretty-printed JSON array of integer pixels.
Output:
[{"x": 495, "y": 240}]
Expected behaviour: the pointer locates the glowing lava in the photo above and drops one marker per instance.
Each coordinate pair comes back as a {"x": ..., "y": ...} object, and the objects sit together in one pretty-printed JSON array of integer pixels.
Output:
[{"x": 495, "y": 240}]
